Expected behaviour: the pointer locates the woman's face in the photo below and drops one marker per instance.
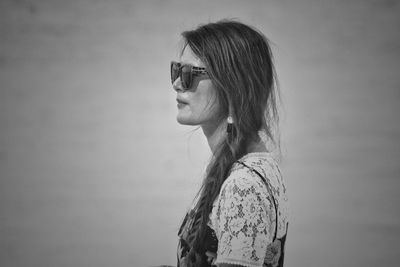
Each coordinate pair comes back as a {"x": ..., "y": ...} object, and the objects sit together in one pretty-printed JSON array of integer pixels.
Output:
[{"x": 198, "y": 105}]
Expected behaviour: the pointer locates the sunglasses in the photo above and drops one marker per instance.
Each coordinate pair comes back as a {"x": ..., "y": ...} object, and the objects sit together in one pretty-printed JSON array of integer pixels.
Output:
[{"x": 186, "y": 73}]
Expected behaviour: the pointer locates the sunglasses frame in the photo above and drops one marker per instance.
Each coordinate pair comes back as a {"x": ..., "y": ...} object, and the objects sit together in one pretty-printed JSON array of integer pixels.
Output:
[{"x": 194, "y": 71}]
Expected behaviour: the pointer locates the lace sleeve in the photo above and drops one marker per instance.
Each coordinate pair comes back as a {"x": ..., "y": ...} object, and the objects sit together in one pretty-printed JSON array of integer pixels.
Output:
[{"x": 243, "y": 220}]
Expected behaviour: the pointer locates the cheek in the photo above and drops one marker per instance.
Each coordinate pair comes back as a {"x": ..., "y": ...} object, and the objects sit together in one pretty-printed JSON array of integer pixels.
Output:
[
  {"x": 210, "y": 106},
  {"x": 206, "y": 105}
]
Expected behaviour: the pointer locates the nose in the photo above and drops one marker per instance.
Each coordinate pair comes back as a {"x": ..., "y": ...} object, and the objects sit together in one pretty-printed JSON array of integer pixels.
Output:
[{"x": 177, "y": 85}]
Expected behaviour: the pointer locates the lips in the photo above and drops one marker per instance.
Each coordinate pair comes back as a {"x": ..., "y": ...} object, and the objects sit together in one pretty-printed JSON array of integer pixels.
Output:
[{"x": 180, "y": 101}]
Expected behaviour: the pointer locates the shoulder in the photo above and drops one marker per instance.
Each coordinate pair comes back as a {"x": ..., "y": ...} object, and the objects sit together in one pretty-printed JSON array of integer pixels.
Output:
[
  {"x": 246, "y": 181},
  {"x": 246, "y": 175},
  {"x": 241, "y": 181}
]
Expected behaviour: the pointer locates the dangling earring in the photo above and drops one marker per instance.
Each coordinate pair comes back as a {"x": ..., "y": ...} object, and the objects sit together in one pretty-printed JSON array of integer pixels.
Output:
[{"x": 229, "y": 127}]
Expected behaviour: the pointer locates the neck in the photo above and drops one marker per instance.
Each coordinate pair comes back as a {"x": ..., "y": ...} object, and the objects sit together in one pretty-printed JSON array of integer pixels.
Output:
[
  {"x": 214, "y": 135},
  {"x": 256, "y": 146}
]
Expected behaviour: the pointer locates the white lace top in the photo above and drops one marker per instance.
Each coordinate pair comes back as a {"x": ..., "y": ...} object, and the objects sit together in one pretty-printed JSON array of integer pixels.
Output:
[{"x": 243, "y": 216}]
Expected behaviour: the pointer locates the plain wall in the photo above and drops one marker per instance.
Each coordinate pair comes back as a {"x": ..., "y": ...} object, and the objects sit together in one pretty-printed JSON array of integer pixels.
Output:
[{"x": 95, "y": 170}]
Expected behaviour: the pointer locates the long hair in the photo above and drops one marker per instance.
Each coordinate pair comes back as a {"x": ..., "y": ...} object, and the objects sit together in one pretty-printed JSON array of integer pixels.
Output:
[{"x": 239, "y": 62}]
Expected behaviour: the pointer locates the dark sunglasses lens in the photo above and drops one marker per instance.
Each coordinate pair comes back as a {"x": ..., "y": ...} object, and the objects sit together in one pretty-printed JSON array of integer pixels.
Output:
[
  {"x": 174, "y": 71},
  {"x": 186, "y": 77}
]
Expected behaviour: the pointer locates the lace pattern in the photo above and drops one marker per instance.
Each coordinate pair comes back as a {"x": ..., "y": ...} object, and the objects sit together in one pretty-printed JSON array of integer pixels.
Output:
[{"x": 243, "y": 216}]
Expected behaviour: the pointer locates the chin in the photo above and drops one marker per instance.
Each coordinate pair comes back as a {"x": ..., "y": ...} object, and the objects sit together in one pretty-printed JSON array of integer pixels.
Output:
[{"x": 185, "y": 121}]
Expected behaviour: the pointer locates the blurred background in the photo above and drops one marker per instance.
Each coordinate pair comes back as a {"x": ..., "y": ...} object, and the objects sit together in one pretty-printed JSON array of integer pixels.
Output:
[{"x": 95, "y": 170}]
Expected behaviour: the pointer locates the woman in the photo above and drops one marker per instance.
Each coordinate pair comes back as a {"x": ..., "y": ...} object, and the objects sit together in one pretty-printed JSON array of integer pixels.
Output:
[{"x": 225, "y": 83}]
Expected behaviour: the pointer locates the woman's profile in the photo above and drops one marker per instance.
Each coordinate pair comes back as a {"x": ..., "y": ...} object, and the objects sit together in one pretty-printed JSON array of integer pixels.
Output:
[{"x": 225, "y": 83}]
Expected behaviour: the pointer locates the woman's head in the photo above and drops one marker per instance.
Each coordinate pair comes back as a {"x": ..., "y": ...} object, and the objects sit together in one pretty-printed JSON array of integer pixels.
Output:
[{"x": 239, "y": 64}]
